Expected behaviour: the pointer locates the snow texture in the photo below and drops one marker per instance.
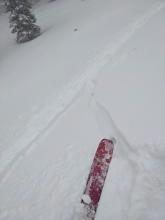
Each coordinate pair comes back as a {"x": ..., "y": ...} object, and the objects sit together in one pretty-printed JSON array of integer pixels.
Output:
[
  {"x": 86, "y": 199},
  {"x": 96, "y": 71}
]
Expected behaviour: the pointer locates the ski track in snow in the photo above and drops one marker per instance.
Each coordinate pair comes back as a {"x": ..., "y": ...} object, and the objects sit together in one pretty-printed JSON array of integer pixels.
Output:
[
  {"x": 142, "y": 165},
  {"x": 44, "y": 119},
  {"x": 123, "y": 150}
]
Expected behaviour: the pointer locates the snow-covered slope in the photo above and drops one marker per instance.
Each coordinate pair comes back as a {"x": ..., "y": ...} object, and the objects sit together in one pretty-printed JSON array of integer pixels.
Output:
[{"x": 96, "y": 71}]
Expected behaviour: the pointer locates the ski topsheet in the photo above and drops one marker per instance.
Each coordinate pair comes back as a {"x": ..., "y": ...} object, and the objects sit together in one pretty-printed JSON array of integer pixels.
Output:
[{"x": 96, "y": 178}]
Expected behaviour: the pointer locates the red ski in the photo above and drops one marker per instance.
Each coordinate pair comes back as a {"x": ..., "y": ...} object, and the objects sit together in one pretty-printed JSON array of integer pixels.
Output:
[{"x": 97, "y": 176}]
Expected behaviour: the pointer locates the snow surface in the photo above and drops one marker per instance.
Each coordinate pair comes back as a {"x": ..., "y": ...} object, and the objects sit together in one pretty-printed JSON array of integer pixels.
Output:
[{"x": 96, "y": 71}]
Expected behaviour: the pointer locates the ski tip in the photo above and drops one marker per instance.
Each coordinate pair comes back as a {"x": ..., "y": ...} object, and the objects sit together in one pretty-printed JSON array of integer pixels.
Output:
[{"x": 113, "y": 140}]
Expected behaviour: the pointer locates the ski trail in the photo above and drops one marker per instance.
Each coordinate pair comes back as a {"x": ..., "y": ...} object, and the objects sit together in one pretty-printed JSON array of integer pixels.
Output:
[
  {"x": 109, "y": 128},
  {"x": 109, "y": 52},
  {"x": 35, "y": 129},
  {"x": 41, "y": 122},
  {"x": 136, "y": 163},
  {"x": 123, "y": 156}
]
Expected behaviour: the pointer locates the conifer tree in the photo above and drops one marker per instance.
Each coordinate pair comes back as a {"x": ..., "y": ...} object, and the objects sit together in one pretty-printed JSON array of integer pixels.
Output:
[{"x": 22, "y": 21}]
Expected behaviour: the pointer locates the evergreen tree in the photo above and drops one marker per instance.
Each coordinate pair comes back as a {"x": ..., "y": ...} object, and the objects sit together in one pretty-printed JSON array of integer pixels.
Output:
[{"x": 22, "y": 21}]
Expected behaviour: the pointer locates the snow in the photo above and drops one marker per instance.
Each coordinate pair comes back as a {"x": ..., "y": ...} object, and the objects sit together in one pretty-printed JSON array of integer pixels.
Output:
[
  {"x": 86, "y": 199},
  {"x": 61, "y": 93}
]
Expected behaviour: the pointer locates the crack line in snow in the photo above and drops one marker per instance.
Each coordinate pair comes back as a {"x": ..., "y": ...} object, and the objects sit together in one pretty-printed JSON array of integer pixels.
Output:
[{"x": 40, "y": 123}]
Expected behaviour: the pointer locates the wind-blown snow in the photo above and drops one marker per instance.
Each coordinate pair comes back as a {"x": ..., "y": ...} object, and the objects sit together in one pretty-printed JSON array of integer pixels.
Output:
[{"x": 96, "y": 71}]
